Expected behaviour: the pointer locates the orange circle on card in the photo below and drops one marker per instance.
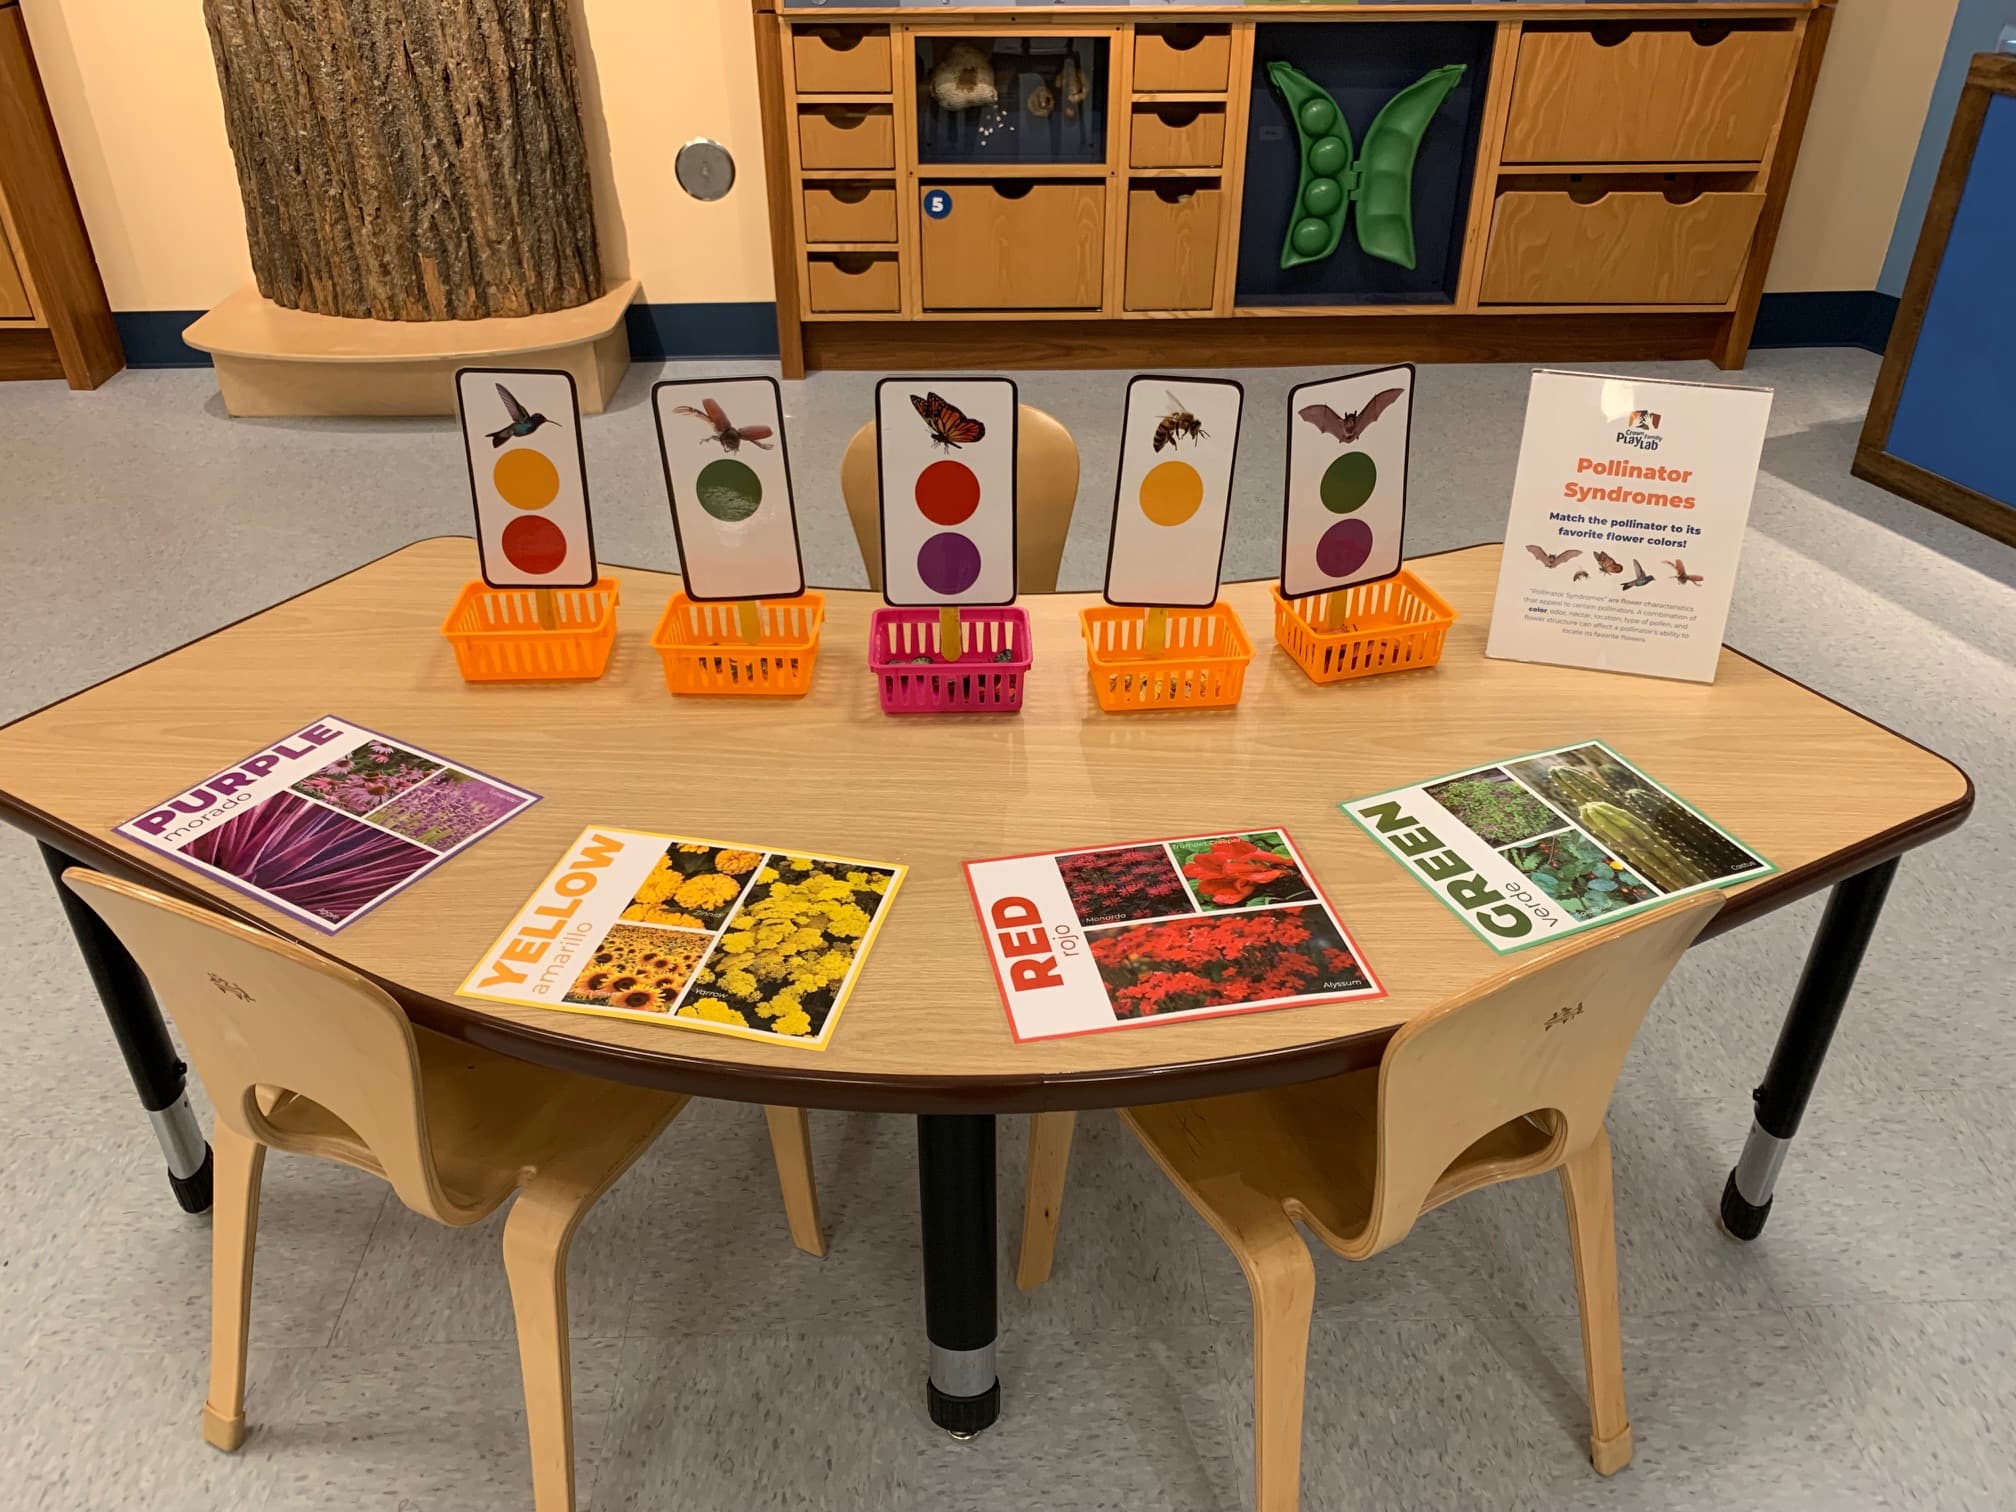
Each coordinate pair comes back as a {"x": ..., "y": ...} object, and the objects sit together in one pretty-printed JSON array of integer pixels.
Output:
[
  {"x": 526, "y": 479},
  {"x": 1171, "y": 493}
]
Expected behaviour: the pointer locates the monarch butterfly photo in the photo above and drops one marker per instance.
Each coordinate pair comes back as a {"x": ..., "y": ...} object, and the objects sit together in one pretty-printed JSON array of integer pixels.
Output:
[{"x": 950, "y": 425}]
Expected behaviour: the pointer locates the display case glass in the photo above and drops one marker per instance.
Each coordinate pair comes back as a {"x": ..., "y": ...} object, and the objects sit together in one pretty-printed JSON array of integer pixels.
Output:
[{"x": 1030, "y": 99}]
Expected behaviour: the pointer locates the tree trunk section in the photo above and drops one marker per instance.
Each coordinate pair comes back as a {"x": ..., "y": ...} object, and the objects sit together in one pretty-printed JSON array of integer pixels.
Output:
[{"x": 409, "y": 159}]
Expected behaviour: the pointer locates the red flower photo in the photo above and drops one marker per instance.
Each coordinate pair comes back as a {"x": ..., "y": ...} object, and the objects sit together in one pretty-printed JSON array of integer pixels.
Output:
[
  {"x": 1242, "y": 871},
  {"x": 1113, "y": 886},
  {"x": 1183, "y": 965}
]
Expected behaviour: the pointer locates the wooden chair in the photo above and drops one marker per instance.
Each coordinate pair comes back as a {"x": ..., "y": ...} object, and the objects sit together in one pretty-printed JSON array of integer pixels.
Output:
[
  {"x": 1511, "y": 1081},
  {"x": 301, "y": 1054},
  {"x": 1046, "y": 492}
]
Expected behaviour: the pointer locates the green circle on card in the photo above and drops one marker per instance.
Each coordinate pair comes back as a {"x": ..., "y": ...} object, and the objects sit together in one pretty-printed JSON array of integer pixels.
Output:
[
  {"x": 729, "y": 490},
  {"x": 1348, "y": 483}
]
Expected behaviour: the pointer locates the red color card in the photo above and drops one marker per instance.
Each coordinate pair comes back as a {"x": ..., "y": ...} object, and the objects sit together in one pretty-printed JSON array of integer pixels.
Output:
[{"x": 1129, "y": 935}]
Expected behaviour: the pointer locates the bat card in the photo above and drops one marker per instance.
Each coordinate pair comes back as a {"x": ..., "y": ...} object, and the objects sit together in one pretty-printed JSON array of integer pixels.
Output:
[
  {"x": 945, "y": 459},
  {"x": 728, "y": 472},
  {"x": 1174, "y": 493},
  {"x": 521, "y": 428},
  {"x": 1348, "y": 443}
]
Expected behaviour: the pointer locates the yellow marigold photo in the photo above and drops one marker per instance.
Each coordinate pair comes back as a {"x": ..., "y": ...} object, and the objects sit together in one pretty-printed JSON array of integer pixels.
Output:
[
  {"x": 737, "y": 863},
  {"x": 690, "y": 849},
  {"x": 708, "y": 890}
]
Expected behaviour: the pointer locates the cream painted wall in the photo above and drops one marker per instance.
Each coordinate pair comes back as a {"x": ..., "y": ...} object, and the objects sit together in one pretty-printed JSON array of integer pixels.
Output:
[
  {"x": 1882, "y": 60},
  {"x": 134, "y": 92}
]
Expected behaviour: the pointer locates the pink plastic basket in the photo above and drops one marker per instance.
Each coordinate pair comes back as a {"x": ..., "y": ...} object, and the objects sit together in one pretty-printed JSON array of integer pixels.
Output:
[{"x": 986, "y": 678}]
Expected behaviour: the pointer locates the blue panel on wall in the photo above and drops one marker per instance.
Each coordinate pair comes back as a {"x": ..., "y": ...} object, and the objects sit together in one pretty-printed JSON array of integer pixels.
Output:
[{"x": 1953, "y": 415}]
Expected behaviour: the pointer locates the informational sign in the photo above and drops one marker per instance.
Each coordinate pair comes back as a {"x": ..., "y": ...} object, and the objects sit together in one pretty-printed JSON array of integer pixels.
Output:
[
  {"x": 738, "y": 939},
  {"x": 1162, "y": 930},
  {"x": 1627, "y": 523},
  {"x": 522, "y": 430},
  {"x": 328, "y": 823},
  {"x": 1348, "y": 448},
  {"x": 1173, "y": 497},
  {"x": 945, "y": 449},
  {"x": 728, "y": 471},
  {"x": 1537, "y": 847}
]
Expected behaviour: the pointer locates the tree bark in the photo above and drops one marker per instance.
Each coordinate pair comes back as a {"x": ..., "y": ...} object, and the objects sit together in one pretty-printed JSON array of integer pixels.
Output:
[{"x": 409, "y": 159}]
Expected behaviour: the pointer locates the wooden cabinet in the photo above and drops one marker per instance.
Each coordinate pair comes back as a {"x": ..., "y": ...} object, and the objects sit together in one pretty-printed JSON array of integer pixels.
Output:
[
  {"x": 1548, "y": 247},
  {"x": 54, "y": 319},
  {"x": 841, "y": 59},
  {"x": 1181, "y": 59},
  {"x": 852, "y": 282},
  {"x": 850, "y": 212},
  {"x": 1172, "y": 246},
  {"x": 846, "y": 136},
  {"x": 1644, "y": 94},
  {"x": 1178, "y": 136},
  {"x": 1016, "y": 246}
]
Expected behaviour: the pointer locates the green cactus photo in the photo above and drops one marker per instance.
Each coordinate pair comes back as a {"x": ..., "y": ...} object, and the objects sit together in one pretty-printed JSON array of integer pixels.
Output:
[
  {"x": 1656, "y": 834},
  {"x": 1494, "y": 807},
  {"x": 1578, "y": 875}
]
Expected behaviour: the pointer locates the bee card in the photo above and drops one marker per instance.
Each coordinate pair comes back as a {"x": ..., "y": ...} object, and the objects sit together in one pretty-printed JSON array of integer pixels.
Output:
[
  {"x": 945, "y": 457},
  {"x": 728, "y": 472},
  {"x": 1174, "y": 493},
  {"x": 522, "y": 430},
  {"x": 1348, "y": 441}
]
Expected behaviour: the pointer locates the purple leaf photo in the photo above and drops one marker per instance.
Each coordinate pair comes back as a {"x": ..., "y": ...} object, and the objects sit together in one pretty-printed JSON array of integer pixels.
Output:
[{"x": 312, "y": 857}]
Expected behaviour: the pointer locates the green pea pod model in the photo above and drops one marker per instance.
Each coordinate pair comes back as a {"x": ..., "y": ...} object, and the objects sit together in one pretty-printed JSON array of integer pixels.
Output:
[{"x": 1381, "y": 181}]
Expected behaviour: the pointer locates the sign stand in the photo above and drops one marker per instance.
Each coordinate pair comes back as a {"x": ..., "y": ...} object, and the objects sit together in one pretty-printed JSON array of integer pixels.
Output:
[
  {"x": 542, "y": 610},
  {"x": 744, "y": 623}
]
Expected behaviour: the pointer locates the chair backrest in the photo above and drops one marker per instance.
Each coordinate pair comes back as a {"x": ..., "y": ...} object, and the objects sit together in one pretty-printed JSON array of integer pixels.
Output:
[
  {"x": 1538, "y": 1048},
  {"x": 257, "y": 1011},
  {"x": 1046, "y": 488}
]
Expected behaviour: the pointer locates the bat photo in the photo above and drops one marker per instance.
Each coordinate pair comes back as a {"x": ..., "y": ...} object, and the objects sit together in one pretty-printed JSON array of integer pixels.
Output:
[
  {"x": 729, "y": 436},
  {"x": 1348, "y": 428},
  {"x": 1679, "y": 566},
  {"x": 1556, "y": 559}
]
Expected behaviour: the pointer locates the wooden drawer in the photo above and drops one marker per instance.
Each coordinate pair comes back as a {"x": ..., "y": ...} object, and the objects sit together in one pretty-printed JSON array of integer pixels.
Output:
[
  {"x": 14, "y": 303},
  {"x": 1172, "y": 247},
  {"x": 1181, "y": 59},
  {"x": 1017, "y": 245},
  {"x": 850, "y": 212},
  {"x": 1178, "y": 136},
  {"x": 846, "y": 136},
  {"x": 1622, "y": 94},
  {"x": 841, "y": 59},
  {"x": 1623, "y": 248},
  {"x": 852, "y": 281}
]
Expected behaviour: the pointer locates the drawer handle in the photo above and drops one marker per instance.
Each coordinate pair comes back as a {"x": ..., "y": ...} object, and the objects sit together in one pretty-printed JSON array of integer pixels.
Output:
[
  {"x": 1711, "y": 33},
  {"x": 1012, "y": 191},
  {"x": 850, "y": 194},
  {"x": 843, "y": 120},
  {"x": 1178, "y": 117},
  {"x": 1610, "y": 34},
  {"x": 833, "y": 39},
  {"x": 853, "y": 264},
  {"x": 1180, "y": 38},
  {"x": 1171, "y": 194}
]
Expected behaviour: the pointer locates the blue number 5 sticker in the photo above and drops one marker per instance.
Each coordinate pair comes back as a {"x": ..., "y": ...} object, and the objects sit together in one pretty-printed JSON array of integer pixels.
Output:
[{"x": 937, "y": 203}]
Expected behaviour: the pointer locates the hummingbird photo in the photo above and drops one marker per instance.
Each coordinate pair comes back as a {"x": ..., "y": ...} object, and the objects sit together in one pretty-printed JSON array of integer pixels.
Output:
[{"x": 522, "y": 423}]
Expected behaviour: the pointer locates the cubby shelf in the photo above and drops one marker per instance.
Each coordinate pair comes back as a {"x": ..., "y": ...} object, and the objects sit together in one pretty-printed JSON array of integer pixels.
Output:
[{"x": 926, "y": 172}]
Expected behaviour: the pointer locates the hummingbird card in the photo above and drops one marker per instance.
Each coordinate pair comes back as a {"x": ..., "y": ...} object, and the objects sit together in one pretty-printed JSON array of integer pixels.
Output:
[
  {"x": 1174, "y": 492},
  {"x": 728, "y": 471},
  {"x": 1349, "y": 442},
  {"x": 521, "y": 428},
  {"x": 945, "y": 458}
]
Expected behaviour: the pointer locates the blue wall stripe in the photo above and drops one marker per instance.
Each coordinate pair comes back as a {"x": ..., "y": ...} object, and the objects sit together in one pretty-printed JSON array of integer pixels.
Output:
[{"x": 674, "y": 332}]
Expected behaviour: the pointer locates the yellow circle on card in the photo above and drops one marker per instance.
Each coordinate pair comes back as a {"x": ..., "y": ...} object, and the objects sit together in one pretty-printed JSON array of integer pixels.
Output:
[
  {"x": 526, "y": 479},
  {"x": 1171, "y": 493}
]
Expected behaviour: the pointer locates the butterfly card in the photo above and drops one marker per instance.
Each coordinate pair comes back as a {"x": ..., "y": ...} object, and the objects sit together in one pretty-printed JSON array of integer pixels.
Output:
[
  {"x": 1173, "y": 497},
  {"x": 728, "y": 471},
  {"x": 945, "y": 452},
  {"x": 521, "y": 428},
  {"x": 1348, "y": 442}
]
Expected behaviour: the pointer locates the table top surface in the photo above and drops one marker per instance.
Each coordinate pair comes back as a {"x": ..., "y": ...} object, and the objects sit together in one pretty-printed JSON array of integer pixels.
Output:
[{"x": 1810, "y": 784}]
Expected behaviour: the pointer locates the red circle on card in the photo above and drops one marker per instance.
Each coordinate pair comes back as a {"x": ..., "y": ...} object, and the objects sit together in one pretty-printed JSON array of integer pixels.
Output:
[
  {"x": 534, "y": 545},
  {"x": 947, "y": 492}
]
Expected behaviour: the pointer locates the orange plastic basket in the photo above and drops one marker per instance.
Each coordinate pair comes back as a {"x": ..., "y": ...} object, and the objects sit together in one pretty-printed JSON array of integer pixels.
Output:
[
  {"x": 704, "y": 651},
  {"x": 1202, "y": 663},
  {"x": 498, "y": 638},
  {"x": 1393, "y": 625}
]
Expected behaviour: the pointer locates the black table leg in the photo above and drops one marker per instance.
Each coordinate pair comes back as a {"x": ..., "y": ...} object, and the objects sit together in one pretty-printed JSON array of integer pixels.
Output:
[
  {"x": 955, "y": 1172},
  {"x": 1823, "y": 991},
  {"x": 156, "y": 1070}
]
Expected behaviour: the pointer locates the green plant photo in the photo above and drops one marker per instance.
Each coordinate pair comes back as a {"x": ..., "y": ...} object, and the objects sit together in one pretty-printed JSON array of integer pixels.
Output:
[
  {"x": 1579, "y": 875},
  {"x": 1495, "y": 808}
]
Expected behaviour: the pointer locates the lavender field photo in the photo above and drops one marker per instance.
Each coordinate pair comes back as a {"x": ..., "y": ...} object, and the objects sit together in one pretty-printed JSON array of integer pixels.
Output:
[
  {"x": 309, "y": 856},
  {"x": 446, "y": 811}
]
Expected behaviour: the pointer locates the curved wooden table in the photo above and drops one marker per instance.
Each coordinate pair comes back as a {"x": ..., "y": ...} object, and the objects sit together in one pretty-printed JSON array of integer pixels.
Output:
[{"x": 926, "y": 1033}]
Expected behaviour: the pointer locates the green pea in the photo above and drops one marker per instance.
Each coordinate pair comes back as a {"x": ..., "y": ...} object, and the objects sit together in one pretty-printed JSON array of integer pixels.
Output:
[
  {"x": 1310, "y": 237},
  {"x": 1318, "y": 115},
  {"x": 1328, "y": 156},
  {"x": 1322, "y": 197}
]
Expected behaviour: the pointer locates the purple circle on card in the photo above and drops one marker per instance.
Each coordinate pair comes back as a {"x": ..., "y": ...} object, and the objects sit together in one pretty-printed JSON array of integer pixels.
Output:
[
  {"x": 1344, "y": 548},
  {"x": 949, "y": 563}
]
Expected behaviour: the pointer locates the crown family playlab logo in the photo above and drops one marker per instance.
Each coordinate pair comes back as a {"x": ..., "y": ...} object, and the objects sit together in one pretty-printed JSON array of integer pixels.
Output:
[{"x": 1641, "y": 430}]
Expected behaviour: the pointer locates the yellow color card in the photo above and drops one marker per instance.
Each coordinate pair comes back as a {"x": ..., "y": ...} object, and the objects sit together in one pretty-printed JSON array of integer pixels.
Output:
[{"x": 747, "y": 940}]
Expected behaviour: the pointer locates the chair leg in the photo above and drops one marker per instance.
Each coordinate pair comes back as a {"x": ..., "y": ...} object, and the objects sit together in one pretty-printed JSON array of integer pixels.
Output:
[
  {"x": 1043, "y": 1206},
  {"x": 1283, "y": 1282},
  {"x": 240, "y": 1162},
  {"x": 791, "y": 1145},
  {"x": 1592, "y": 1233}
]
